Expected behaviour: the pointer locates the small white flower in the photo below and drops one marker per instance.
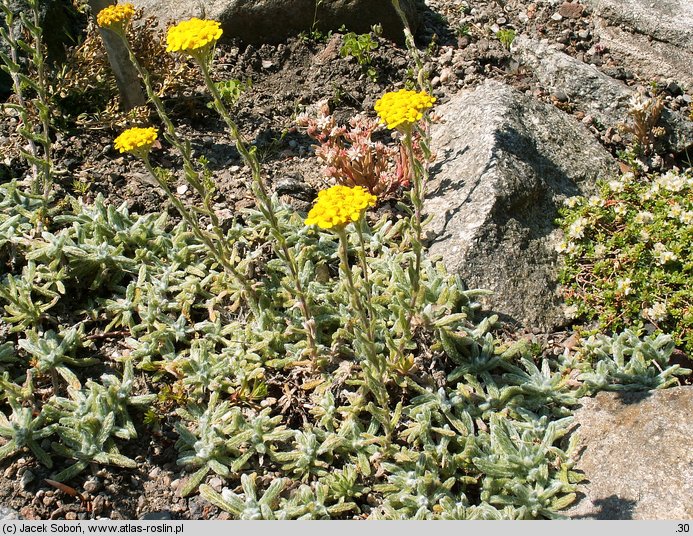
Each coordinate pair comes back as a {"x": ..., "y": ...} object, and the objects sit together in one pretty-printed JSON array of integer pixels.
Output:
[
  {"x": 662, "y": 254},
  {"x": 595, "y": 201},
  {"x": 577, "y": 228},
  {"x": 675, "y": 211},
  {"x": 616, "y": 186},
  {"x": 623, "y": 286},
  {"x": 644, "y": 217},
  {"x": 600, "y": 250},
  {"x": 657, "y": 313},
  {"x": 572, "y": 202},
  {"x": 571, "y": 248},
  {"x": 639, "y": 103},
  {"x": 642, "y": 165},
  {"x": 620, "y": 209},
  {"x": 645, "y": 235},
  {"x": 687, "y": 217},
  {"x": 561, "y": 247},
  {"x": 671, "y": 181}
]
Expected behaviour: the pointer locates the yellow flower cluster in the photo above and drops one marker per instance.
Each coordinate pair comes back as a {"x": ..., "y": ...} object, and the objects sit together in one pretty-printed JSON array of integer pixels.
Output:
[
  {"x": 339, "y": 205},
  {"x": 193, "y": 35},
  {"x": 404, "y": 107},
  {"x": 136, "y": 140},
  {"x": 115, "y": 15}
]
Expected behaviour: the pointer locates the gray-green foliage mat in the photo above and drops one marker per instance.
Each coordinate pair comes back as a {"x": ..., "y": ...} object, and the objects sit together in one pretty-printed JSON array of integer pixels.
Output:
[{"x": 472, "y": 429}]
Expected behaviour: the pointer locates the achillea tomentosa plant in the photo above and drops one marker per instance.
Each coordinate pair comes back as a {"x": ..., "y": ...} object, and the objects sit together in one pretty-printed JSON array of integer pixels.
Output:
[{"x": 410, "y": 402}]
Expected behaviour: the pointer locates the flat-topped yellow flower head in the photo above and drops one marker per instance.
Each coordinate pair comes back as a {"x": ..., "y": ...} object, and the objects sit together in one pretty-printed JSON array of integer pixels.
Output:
[
  {"x": 136, "y": 140},
  {"x": 401, "y": 109},
  {"x": 193, "y": 36},
  {"x": 115, "y": 17},
  {"x": 339, "y": 205}
]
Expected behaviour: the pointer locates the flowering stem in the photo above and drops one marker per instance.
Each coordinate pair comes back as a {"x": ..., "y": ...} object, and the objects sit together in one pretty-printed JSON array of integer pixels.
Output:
[
  {"x": 267, "y": 208},
  {"x": 364, "y": 268},
  {"x": 417, "y": 183},
  {"x": 422, "y": 76},
  {"x": 375, "y": 363},
  {"x": 220, "y": 252}
]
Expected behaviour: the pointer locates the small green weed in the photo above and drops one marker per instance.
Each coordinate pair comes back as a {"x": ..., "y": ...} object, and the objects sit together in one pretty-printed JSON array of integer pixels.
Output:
[
  {"x": 361, "y": 47},
  {"x": 506, "y": 37}
]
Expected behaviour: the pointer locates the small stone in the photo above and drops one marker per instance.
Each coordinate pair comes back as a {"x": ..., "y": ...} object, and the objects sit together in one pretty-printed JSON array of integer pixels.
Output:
[
  {"x": 27, "y": 478},
  {"x": 445, "y": 75},
  {"x": 435, "y": 82},
  {"x": 560, "y": 95},
  {"x": 92, "y": 486},
  {"x": 9, "y": 472},
  {"x": 584, "y": 34},
  {"x": 267, "y": 64},
  {"x": 216, "y": 484},
  {"x": 71, "y": 516},
  {"x": 570, "y": 10},
  {"x": 182, "y": 189},
  {"x": 446, "y": 57},
  {"x": 557, "y": 17},
  {"x": 157, "y": 516},
  {"x": 174, "y": 484},
  {"x": 98, "y": 504}
]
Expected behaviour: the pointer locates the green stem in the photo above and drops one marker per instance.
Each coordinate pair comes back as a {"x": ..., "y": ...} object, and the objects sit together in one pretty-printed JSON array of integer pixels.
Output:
[
  {"x": 260, "y": 190},
  {"x": 219, "y": 251},
  {"x": 376, "y": 364},
  {"x": 367, "y": 283},
  {"x": 219, "y": 254},
  {"x": 44, "y": 110}
]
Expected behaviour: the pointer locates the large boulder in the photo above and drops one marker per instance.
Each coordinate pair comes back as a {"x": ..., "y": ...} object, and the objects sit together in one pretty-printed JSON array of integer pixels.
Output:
[
  {"x": 636, "y": 455},
  {"x": 272, "y": 21},
  {"x": 505, "y": 163},
  {"x": 655, "y": 39},
  {"x": 592, "y": 91}
]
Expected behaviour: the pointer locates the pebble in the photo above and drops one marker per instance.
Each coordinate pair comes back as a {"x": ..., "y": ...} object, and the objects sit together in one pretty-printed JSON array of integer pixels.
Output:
[
  {"x": 584, "y": 34},
  {"x": 216, "y": 484},
  {"x": 557, "y": 17},
  {"x": 446, "y": 57},
  {"x": 154, "y": 472},
  {"x": 182, "y": 189},
  {"x": 27, "y": 478},
  {"x": 174, "y": 484},
  {"x": 560, "y": 95},
  {"x": 156, "y": 516},
  {"x": 435, "y": 82},
  {"x": 71, "y": 516},
  {"x": 92, "y": 486},
  {"x": 445, "y": 75}
]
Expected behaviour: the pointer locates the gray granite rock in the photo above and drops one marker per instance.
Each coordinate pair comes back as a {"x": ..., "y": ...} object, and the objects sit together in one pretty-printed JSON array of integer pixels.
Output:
[
  {"x": 592, "y": 91},
  {"x": 271, "y": 21},
  {"x": 655, "y": 39},
  {"x": 505, "y": 163},
  {"x": 637, "y": 456}
]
